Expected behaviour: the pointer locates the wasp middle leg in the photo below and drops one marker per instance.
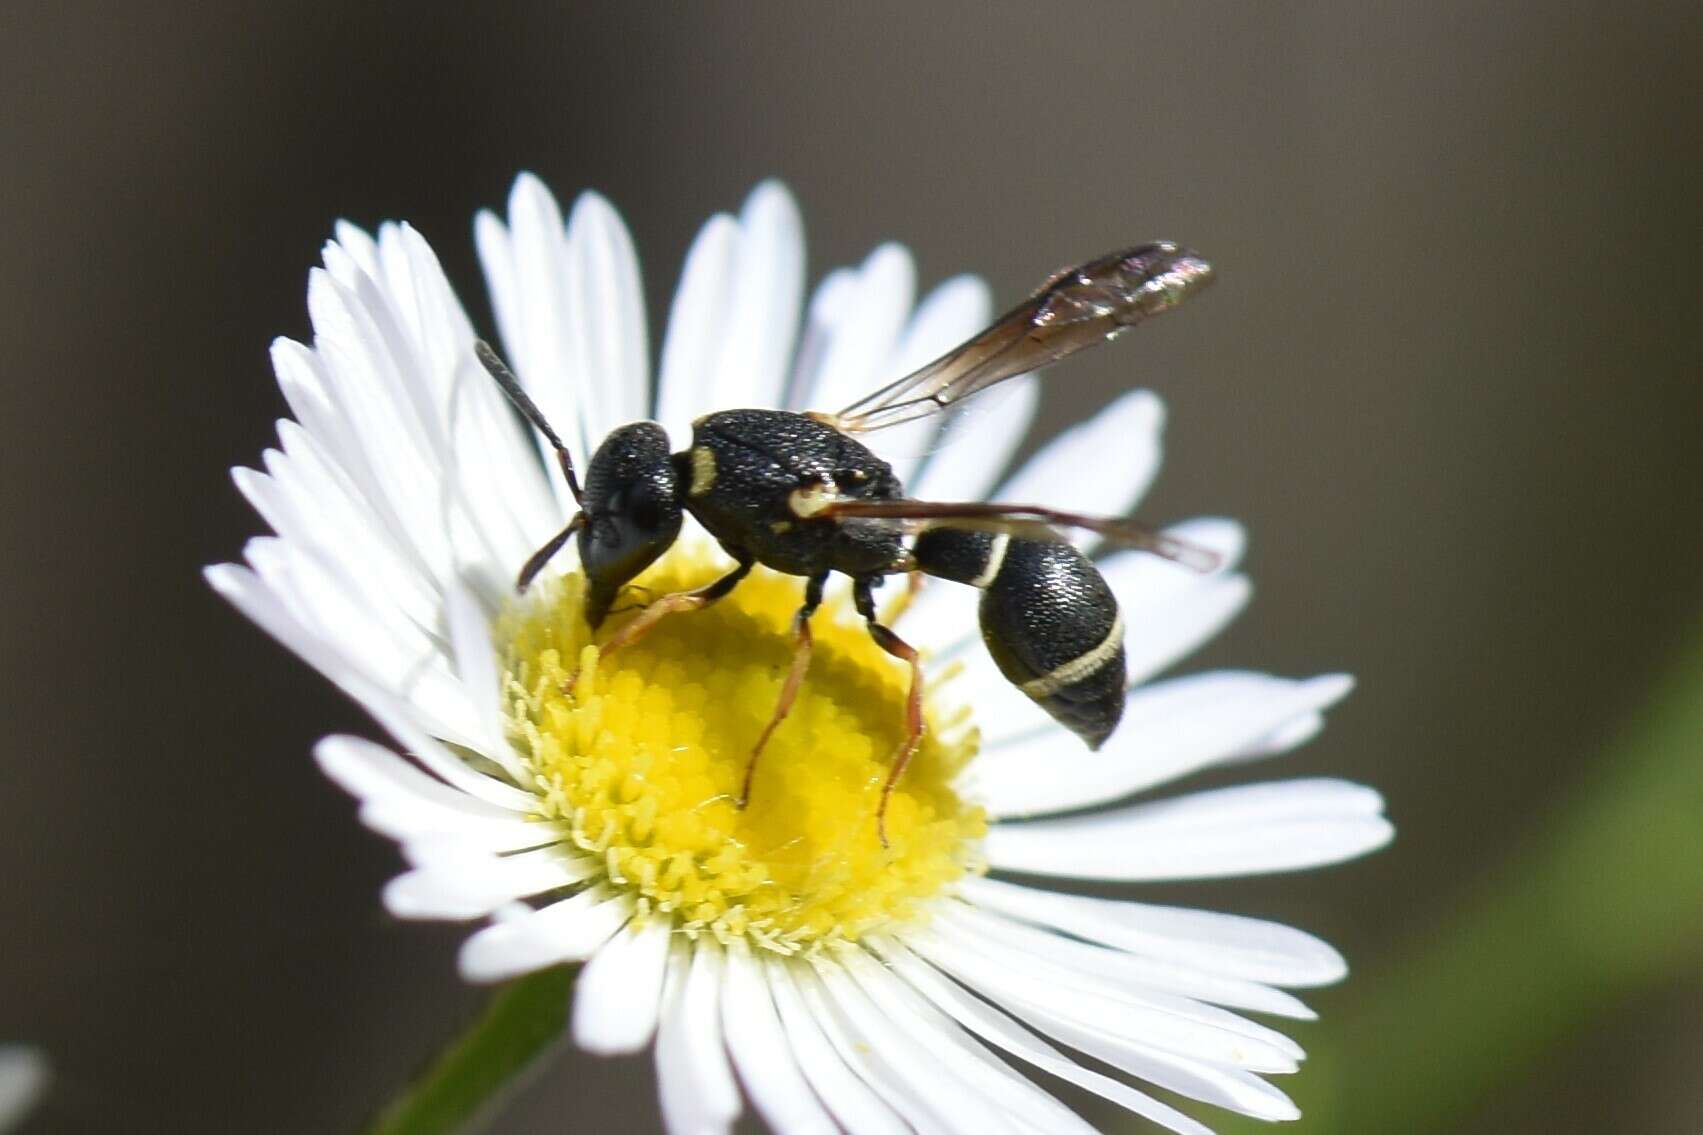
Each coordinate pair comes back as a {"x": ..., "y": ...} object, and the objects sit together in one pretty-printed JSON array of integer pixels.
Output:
[
  {"x": 863, "y": 597},
  {"x": 802, "y": 645}
]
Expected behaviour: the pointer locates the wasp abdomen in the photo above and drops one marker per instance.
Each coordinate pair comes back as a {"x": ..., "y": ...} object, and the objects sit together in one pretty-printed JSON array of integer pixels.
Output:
[{"x": 1048, "y": 619}]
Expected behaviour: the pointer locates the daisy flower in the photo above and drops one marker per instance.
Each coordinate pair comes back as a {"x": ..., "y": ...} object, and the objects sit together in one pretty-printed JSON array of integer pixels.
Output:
[{"x": 584, "y": 809}]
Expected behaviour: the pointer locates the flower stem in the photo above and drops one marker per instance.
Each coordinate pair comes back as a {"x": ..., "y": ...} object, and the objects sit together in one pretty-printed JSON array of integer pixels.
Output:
[{"x": 524, "y": 1018}]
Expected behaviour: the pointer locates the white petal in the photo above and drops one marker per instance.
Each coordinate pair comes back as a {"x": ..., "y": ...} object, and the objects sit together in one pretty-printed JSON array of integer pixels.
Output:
[
  {"x": 360, "y": 319},
  {"x": 1246, "y": 830},
  {"x": 618, "y": 995},
  {"x": 1109, "y": 975},
  {"x": 607, "y": 313},
  {"x": 476, "y": 666},
  {"x": 437, "y": 759},
  {"x": 866, "y": 331},
  {"x": 1196, "y": 981},
  {"x": 910, "y": 1057},
  {"x": 698, "y": 1094},
  {"x": 758, "y": 1045},
  {"x": 375, "y": 379},
  {"x": 505, "y": 489},
  {"x": 1101, "y": 466},
  {"x": 307, "y": 389},
  {"x": 996, "y": 1028},
  {"x": 1228, "y": 944},
  {"x": 473, "y": 883},
  {"x": 1168, "y": 731},
  {"x": 829, "y": 303},
  {"x": 1158, "y": 639},
  {"x": 311, "y": 499},
  {"x": 979, "y": 444},
  {"x": 1229, "y": 1088},
  {"x": 338, "y": 623},
  {"x": 854, "y": 1105},
  {"x": 260, "y": 604},
  {"x": 1062, "y": 1016},
  {"x": 696, "y": 327},
  {"x": 1289, "y": 736},
  {"x": 951, "y": 313},
  {"x": 357, "y": 245},
  {"x": 872, "y": 1065},
  {"x": 1024, "y": 975},
  {"x": 768, "y": 287},
  {"x": 404, "y": 803},
  {"x": 958, "y": 1051},
  {"x": 502, "y": 282},
  {"x": 425, "y": 303},
  {"x": 518, "y": 307},
  {"x": 526, "y": 268},
  {"x": 24, "y": 1076},
  {"x": 521, "y": 939}
]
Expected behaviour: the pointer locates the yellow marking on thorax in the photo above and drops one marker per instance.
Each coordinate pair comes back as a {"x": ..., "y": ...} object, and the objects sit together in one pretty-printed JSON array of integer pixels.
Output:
[
  {"x": 809, "y": 501},
  {"x": 703, "y": 471}
]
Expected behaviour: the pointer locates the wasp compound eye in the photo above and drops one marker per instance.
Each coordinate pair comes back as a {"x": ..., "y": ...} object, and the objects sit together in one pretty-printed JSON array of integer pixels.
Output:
[{"x": 632, "y": 511}]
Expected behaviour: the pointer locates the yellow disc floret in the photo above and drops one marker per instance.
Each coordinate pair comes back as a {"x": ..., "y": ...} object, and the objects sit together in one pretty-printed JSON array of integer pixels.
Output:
[{"x": 640, "y": 755}]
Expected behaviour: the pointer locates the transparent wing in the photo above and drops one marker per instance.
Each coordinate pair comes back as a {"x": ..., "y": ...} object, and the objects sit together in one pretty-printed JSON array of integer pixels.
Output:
[
  {"x": 1033, "y": 521},
  {"x": 1076, "y": 308}
]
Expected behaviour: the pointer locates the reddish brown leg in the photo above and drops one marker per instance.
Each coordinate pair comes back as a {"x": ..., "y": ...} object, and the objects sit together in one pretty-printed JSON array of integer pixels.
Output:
[
  {"x": 802, "y": 643},
  {"x": 864, "y": 597},
  {"x": 659, "y": 609}
]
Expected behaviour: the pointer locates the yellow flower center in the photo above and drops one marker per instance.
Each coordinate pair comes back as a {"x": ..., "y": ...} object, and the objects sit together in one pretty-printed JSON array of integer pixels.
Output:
[{"x": 641, "y": 755}]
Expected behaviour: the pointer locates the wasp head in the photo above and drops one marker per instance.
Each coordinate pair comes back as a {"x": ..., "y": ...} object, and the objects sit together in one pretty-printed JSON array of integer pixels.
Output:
[{"x": 632, "y": 512}]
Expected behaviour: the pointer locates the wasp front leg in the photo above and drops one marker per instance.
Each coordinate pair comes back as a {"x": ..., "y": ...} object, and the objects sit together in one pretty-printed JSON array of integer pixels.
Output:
[{"x": 659, "y": 609}]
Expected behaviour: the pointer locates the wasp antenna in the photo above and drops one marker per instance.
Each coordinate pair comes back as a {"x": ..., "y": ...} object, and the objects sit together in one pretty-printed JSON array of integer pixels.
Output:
[
  {"x": 529, "y": 409},
  {"x": 535, "y": 562}
]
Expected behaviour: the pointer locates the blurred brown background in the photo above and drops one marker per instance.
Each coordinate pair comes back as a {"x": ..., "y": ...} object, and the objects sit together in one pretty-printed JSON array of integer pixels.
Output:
[{"x": 1450, "y": 380}]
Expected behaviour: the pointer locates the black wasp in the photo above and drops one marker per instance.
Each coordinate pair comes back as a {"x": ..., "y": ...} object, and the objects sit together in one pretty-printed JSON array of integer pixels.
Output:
[{"x": 800, "y": 494}]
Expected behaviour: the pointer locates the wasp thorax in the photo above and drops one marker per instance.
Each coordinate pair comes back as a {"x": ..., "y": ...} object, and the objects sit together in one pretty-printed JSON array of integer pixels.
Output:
[{"x": 632, "y": 512}]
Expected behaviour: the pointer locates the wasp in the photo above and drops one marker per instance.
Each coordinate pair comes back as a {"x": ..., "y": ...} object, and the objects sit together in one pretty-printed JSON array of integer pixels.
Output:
[{"x": 800, "y": 494}]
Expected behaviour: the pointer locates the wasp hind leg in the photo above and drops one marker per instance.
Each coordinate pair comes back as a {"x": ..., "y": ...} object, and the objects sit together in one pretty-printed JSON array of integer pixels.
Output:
[
  {"x": 863, "y": 596},
  {"x": 802, "y": 644}
]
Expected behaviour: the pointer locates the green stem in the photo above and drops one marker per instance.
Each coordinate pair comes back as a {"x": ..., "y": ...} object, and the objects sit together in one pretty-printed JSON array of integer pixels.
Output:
[
  {"x": 524, "y": 1018},
  {"x": 1605, "y": 903}
]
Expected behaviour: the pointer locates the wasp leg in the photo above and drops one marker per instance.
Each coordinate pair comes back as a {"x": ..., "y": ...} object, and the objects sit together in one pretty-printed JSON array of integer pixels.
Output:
[
  {"x": 659, "y": 609},
  {"x": 802, "y": 643},
  {"x": 863, "y": 596}
]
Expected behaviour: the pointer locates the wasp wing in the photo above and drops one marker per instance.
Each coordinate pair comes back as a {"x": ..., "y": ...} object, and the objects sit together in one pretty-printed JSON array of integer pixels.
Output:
[
  {"x": 1076, "y": 308},
  {"x": 1029, "y": 520}
]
